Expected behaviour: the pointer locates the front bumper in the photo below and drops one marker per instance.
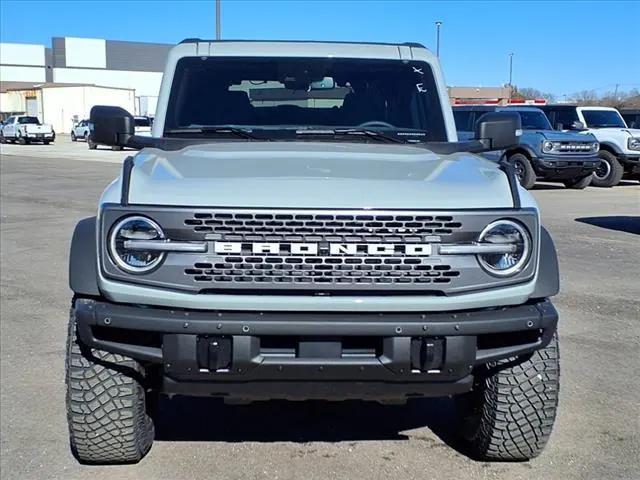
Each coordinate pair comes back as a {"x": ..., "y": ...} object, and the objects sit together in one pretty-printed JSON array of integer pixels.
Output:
[
  {"x": 336, "y": 355},
  {"x": 39, "y": 136},
  {"x": 559, "y": 167}
]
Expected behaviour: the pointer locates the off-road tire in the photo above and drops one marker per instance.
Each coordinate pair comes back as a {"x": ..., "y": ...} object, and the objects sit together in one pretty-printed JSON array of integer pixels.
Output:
[
  {"x": 106, "y": 413},
  {"x": 609, "y": 173},
  {"x": 578, "y": 183},
  {"x": 73, "y": 137},
  {"x": 524, "y": 171},
  {"x": 510, "y": 413}
]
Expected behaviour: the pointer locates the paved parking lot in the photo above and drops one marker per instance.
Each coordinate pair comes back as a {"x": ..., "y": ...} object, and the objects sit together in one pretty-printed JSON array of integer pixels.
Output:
[{"x": 46, "y": 190}]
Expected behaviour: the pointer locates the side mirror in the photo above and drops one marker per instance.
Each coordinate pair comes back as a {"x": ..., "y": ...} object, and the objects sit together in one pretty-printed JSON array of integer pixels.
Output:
[
  {"x": 498, "y": 130},
  {"x": 112, "y": 126}
]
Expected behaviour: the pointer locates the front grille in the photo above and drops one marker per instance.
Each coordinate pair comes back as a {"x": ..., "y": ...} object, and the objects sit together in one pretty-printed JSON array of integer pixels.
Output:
[
  {"x": 321, "y": 271},
  {"x": 574, "y": 147},
  {"x": 316, "y": 227},
  {"x": 369, "y": 251}
]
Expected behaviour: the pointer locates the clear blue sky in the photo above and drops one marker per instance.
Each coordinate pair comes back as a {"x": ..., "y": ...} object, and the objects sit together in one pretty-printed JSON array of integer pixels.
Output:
[{"x": 560, "y": 47}]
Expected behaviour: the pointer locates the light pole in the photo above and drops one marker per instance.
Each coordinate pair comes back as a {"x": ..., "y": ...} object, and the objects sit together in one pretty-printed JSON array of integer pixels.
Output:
[
  {"x": 510, "y": 74},
  {"x": 218, "y": 32},
  {"x": 438, "y": 25}
]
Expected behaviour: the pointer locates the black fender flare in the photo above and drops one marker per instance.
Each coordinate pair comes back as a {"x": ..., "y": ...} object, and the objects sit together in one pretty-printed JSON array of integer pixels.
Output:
[
  {"x": 611, "y": 147},
  {"x": 548, "y": 281},
  {"x": 83, "y": 262},
  {"x": 523, "y": 147}
]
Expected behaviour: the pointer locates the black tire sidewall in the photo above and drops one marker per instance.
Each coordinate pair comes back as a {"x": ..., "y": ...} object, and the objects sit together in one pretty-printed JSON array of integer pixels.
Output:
[
  {"x": 520, "y": 161},
  {"x": 615, "y": 171}
]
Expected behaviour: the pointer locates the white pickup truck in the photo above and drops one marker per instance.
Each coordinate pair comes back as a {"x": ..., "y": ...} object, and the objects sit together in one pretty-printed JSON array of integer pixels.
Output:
[{"x": 26, "y": 129}]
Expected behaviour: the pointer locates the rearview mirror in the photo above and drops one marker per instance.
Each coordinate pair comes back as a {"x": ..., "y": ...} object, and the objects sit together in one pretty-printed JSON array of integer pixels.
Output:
[
  {"x": 498, "y": 130},
  {"x": 327, "y": 83},
  {"x": 112, "y": 126}
]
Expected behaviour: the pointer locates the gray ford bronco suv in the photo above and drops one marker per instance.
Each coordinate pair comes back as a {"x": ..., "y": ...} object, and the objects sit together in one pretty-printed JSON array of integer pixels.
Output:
[{"x": 303, "y": 223}]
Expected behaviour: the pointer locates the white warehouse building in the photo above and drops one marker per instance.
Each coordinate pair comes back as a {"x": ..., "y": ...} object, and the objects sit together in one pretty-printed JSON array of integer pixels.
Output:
[{"x": 60, "y": 84}]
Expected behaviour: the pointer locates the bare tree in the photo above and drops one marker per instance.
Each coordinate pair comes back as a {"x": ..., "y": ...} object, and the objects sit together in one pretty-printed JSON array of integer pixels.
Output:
[{"x": 529, "y": 93}]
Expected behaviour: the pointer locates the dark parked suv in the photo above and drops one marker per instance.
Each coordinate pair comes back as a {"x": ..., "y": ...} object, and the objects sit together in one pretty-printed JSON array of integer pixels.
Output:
[{"x": 542, "y": 153}]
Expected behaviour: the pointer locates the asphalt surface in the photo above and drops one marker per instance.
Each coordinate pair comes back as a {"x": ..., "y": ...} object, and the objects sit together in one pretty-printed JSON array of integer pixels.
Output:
[{"x": 597, "y": 433}]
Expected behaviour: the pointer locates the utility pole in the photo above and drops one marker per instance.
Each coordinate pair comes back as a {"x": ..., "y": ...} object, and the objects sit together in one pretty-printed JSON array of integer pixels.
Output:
[
  {"x": 218, "y": 31},
  {"x": 615, "y": 95},
  {"x": 510, "y": 74},
  {"x": 438, "y": 25}
]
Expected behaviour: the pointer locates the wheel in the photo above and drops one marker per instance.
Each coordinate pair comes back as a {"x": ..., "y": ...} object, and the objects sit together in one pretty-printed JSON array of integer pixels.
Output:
[
  {"x": 92, "y": 146},
  {"x": 578, "y": 183},
  {"x": 22, "y": 140},
  {"x": 46, "y": 142},
  {"x": 609, "y": 171},
  {"x": 106, "y": 409},
  {"x": 524, "y": 170},
  {"x": 73, "y": 137},
  {"x": 116, "y": 148},
  {"x": 510, "y": 413}
]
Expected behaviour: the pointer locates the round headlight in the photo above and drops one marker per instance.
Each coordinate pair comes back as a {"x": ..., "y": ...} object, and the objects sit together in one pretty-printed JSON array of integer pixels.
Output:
[
  {"x": 135, "y": 228},
  {"x": 547, "y": 147},
  {"x": 508, "y": 233}
]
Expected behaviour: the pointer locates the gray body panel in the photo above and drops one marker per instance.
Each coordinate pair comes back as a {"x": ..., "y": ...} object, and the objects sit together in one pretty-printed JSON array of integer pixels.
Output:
[{"x": 316, "y": 175}]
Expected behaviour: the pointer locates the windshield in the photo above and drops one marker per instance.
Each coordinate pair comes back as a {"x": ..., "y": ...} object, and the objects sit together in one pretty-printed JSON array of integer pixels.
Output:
[
  {"x": 29, "y": 120},
  {"x": 603, "y": 118},
  {"x": 270, "y": 94},
  {"x": 142, "y": 122},
  {"x": 534, "y": 120}
]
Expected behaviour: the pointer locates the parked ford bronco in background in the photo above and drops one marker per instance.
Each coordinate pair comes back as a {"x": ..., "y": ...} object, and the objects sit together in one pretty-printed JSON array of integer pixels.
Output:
[
  {"x": 619, "y": 144},
  {"x": 541, "y": 153},
  {"x": 25, "y": 129},
  {"x": 304, "y": 224}
]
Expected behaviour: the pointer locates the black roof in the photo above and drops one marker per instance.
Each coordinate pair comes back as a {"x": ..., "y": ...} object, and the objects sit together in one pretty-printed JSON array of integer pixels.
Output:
[
  {"x": 558, "y": 106},
  {"x": 405, "y": 44}
]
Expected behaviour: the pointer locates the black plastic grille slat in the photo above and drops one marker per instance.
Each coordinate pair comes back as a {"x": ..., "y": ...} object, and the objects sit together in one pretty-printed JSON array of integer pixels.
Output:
[
  {"x": 255, "y": 227},
  {"x": 321, "y": 270}
]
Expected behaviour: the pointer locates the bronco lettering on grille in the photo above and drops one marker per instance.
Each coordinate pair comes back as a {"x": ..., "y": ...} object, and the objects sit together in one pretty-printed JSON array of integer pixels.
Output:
[{"x": 410, "y": 249}]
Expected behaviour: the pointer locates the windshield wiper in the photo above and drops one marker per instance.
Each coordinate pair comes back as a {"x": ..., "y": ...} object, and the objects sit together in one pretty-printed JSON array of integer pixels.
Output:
[
  {"x": 351, "y": 131},
  {"x": 205, "y": 129}
]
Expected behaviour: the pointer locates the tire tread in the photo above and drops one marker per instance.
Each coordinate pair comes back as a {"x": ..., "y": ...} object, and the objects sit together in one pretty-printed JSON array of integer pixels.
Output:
[{"x": 106, "y": 413}]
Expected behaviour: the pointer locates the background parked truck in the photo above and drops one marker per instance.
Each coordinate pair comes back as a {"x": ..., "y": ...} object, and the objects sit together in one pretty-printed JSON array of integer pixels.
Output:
[{"x": 25, "y": 129}]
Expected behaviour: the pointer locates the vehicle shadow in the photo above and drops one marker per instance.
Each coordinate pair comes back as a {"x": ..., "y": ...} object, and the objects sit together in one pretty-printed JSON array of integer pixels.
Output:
[
  {"x": 628, "y": 224},
  {"x": 549, "y": 186},
  {"x": 203, "y": 419}
]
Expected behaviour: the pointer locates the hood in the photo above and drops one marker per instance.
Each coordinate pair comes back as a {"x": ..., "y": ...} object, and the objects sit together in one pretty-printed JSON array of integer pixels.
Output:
[
  {"x": 625, "y": 132},
  {"x": 316, "y": 175},
  {"x": 556, "y": 136}
]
